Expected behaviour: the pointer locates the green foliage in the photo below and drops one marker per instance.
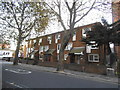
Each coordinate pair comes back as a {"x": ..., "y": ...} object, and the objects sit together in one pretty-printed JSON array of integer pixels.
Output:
[
  {"x": 103, "y": 34},
  {"x": 43, "y": 15}
]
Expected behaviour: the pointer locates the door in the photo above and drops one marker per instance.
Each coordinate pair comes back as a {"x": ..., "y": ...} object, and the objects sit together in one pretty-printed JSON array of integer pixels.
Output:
[{"x": 72, "y": 58}]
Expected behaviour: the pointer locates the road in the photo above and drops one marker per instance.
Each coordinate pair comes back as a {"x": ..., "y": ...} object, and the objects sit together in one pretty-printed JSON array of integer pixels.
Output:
[{"x": 21, "y": 77}]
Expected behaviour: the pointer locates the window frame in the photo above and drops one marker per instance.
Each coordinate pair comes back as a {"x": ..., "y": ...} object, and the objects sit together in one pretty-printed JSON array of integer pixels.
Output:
[
  {"x": 49, "y": 39},
  {"x": 45, "y": 49},
  {"x": 84, "y": 31},
  {"x": 41, "y": 50},
  {"x": 93, "y": 58},
  {"x": 69, "y": 46},
  {"x": 59, "y": 47},
  {"x": 57, "y": 37},
  {"x": 74, "y": 36}
]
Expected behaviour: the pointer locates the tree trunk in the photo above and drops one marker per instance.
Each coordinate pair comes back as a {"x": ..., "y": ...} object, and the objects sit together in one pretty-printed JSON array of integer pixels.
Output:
[
  {"x": 64, "y": 43},
  {"x": 105, "y": 54},
  {"x": 108, "y": 49},
  {"x": 16, "y": 59},
  {"x": 36, "y": 55},
  {"x": 108, "y": 54},
  {"x": 60, "y": 66}
]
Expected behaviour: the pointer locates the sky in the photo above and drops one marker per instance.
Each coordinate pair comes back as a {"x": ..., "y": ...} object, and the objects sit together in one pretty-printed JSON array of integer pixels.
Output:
[{"x": 92, "y": 17}]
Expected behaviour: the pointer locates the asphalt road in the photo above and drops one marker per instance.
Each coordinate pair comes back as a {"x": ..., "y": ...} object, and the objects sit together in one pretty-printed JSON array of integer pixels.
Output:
[{"x": 21, "y": 77}]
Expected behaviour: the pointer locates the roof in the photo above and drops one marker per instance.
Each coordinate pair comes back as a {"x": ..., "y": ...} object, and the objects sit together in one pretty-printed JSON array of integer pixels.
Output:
[
  {"x": 62, "y": 31},
  {"x": 50, "y": 51},
  {"x": 77, "y": 49}
]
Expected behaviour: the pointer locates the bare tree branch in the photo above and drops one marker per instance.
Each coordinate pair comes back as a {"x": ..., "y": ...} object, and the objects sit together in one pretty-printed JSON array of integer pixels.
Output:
[
  {"x": 86, "y": 12},
  {"x": 8, "y": 23}
]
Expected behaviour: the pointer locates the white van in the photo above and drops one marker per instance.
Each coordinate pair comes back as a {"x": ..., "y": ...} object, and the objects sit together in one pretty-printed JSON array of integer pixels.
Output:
[{"x": 6, "y": 53}]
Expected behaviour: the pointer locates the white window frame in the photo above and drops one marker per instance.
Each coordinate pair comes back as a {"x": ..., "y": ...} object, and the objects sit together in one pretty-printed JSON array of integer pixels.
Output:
[
  {"x": 93, "y": 45},
  {"x": 58, "y": 47},
  {"x": 46, "y": 48},
  {"x": 69, "y": 46},
  {"x": 58, "y": 57},
  {"x": 41, "y": 48},
  {"x": 93, "y": 58},
  {"x": 65, "y": 56},
  {"x": 57, "y": 37},
  {"x": 83, "y": 31},
  {"x": 49, "y": 39},
  {"x": 34, "y": 41},
  {"x": 88, "y": 49},
  {"x": 74, "y": 37},
  {"x": 40, "y": 41}
]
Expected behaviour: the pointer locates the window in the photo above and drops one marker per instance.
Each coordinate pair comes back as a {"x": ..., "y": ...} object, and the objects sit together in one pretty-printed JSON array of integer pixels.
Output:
[
  {"x": 94, "y": 45},
  {"x": 46, "y": 48},
  {"x": 41, "y": 49},
  {"x": 74, "y": 37},
  {"x": 93, "y": 58},
  {"x": 65, "y": 56},
  {"x": 88, "y": 49},
  {"x": 28, "y": 50},
  {"x": 85, "y": 30},
  {"x": 40, "y": 41},
  {"x": 57, "y": 37},
  {"x": 34, "y": 41},
  {"x": 58, "y": 47},
  {"x": 49, "y": 39},
  {"x": 57, "y": 57},
  {"x": 69, "y": 46}
]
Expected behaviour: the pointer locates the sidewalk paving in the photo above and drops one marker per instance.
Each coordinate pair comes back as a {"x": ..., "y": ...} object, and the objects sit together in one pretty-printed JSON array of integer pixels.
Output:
[{"x": 85, "y": 75}]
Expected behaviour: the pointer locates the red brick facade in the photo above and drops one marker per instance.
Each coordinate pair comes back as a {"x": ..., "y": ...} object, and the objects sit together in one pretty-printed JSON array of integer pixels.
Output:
[
  {"x": 116, "y": 16},
  {"x": 76, "y": 51}
]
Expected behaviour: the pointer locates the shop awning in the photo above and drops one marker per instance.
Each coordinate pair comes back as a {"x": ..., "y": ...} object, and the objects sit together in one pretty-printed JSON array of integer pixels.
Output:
[
  {"x": 50, "y": 51},
  {"x": 77, "y": 50}
]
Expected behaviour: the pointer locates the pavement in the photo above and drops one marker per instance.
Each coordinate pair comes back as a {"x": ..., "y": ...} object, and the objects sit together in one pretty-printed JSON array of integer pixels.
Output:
[{"x": 91, "y": 76}]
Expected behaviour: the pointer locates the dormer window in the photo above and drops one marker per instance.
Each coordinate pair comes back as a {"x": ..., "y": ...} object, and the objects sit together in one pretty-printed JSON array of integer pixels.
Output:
[
  {"x": 49, "y": 39},
  {"x": 57, "y": 37}
]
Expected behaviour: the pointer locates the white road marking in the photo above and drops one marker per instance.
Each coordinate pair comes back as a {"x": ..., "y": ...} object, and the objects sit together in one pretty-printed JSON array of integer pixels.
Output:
[
  {"x": 16, "y": 85},
  {"x": 12, "y": 83},
  {"x": 19, "y": 71}
]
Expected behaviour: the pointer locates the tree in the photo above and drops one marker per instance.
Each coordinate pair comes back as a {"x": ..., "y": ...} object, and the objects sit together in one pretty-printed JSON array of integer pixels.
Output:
[
  {"x": 103, "y": 35},
  {"x": 21, "y": 17},
  {"x": 76, "y": 10}
]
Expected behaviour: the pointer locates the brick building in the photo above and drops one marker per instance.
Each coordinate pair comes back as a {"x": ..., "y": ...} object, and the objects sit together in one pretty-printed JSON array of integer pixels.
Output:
[
  {"x": 76, "y": 51},
  {"x": 116, "y": 16}
]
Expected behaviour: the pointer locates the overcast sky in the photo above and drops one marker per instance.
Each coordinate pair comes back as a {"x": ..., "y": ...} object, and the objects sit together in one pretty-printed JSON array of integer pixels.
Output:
[{"x": 92, "y": 17}]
